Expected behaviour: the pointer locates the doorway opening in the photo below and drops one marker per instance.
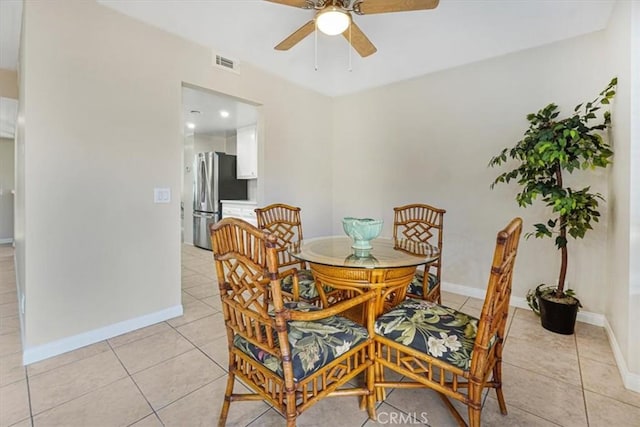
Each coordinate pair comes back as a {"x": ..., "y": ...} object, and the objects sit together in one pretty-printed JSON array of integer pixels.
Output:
[{"x": 220, "y": 158}]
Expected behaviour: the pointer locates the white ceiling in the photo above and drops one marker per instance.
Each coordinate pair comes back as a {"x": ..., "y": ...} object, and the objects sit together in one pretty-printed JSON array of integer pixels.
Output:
[
  {"x": 202, "y": 108},
  {"x": 409, "y": 43}
]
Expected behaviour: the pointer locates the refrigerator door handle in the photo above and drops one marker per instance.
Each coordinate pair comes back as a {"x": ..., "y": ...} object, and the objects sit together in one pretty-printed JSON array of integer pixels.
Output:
[{"x": 205, "y": 214}]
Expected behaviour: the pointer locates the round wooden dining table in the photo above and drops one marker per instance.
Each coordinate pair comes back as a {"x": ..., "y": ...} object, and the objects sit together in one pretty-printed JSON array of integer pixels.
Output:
[{"x": 342, "y": 272}]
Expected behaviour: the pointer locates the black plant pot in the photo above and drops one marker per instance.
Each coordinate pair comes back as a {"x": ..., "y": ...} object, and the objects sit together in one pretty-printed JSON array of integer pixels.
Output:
[{"x": 558, "y": 317}]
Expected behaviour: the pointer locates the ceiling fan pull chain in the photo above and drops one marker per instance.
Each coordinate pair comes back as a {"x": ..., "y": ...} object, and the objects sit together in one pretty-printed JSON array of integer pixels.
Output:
[
  {"x": 315, "y": 49},
  {"x": 349, "y": 47}
]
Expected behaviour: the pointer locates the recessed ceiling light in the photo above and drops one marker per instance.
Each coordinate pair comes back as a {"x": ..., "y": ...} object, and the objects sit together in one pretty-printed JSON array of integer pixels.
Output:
[
  {"x": 191, "y": 125},
  {"x": 224, "y": 113}
]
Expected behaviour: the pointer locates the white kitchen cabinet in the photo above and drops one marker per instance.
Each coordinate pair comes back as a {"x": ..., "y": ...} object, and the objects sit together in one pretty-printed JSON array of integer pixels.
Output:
[
  {"x": 247, "y": 152},
  {"x": 243, "y": 209}
]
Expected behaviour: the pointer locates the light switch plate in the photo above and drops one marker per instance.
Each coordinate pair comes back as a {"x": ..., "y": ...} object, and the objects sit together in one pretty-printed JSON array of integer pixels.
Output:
[{"x": 161, "y": 195}]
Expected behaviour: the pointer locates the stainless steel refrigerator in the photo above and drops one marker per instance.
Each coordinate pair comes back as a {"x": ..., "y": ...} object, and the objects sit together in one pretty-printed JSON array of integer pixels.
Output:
[{"x": 215, "y": 180}]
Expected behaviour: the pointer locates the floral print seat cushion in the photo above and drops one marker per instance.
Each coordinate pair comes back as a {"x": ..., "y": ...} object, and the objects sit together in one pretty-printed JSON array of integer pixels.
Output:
[
  {"x": 306, "y": 285},
  {"x": 437, "y": 330},
  {"x": 415, "y": 287},
  {"x": 313, "y": 344}
]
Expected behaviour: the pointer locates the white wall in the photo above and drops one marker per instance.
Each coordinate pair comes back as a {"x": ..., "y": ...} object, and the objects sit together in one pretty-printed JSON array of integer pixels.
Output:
[
  {"x": 623, "y": 273},
  {"x": 102, "y": 109},
  {"x": 633, "y": 357},
  {"x": 9, "y": 93},
  {"x": 19, "y": 199},
  {"x": 206, "y": 143},
  {"x": 187, "y": 188},
  {"x": 6, "y": 186},
  {"x": 430, "y": 140}
]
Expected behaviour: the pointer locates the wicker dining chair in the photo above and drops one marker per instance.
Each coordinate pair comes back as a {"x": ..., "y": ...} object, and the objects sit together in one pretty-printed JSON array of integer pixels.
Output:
[
  {"x": 284, "y": 222},
  {"x": 290, "y": 354},
  {"x": 446, "y": 350},
  {"x": 422, "y": 223}
]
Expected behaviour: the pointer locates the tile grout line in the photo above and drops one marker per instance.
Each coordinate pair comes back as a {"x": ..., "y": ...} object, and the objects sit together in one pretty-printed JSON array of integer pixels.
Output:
[
  {"x": 225, "y": 369},
  {"x": 153, "y": 411},
  {"x": 255, "y": 420},
  {"x": 584, "y": 395},
  {"x": 26, "y": 375},
  {"x": 76, "y": 397},
  {"x": 526, "y": 411}
]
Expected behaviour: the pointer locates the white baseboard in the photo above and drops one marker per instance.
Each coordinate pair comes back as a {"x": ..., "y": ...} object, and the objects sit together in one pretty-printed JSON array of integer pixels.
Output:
[
  {"x": 591, "y": 318},
  {"x": 631, "y": 380},
  {"x": 44, "y": 351},
  {"x": 467, "y": 291},
  {"x": 7, "y": 240}
]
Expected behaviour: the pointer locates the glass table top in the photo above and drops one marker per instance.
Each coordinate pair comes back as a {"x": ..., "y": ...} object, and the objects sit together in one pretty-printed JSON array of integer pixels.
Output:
[{"x": 385, "y": 253}]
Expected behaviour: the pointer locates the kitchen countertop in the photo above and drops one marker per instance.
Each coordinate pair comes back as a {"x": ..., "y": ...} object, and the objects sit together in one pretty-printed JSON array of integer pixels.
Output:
[{"x": 240, "y": 202}]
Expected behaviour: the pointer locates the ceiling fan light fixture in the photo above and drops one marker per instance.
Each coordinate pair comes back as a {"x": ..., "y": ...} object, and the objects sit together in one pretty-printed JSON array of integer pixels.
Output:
[{"x": 333, "y": 21}]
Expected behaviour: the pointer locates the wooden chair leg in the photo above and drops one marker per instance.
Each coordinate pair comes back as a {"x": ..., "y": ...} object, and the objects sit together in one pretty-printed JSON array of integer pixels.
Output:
[
  {"x": 497, "y": 378},
  {"x": 222, "y": 421},
  {"x": 474, "y": 417},
  {"x": 380, "y": 392},
  {"x": 291, "y": 411},
  {"x": 475, "y": 403},
  {"x": 371, "y": 397}
]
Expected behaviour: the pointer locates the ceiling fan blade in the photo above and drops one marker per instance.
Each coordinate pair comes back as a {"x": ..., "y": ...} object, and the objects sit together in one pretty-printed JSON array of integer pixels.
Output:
[
  {"x": 369, "y": 7},
  {"x": 297, "y": 36},
  {"x": 359, "y": 41},
  {"x": 294, "y": 3}
]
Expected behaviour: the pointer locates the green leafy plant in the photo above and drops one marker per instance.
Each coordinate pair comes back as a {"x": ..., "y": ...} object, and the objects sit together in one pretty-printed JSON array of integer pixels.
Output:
[{"x": 550, "y": 147}]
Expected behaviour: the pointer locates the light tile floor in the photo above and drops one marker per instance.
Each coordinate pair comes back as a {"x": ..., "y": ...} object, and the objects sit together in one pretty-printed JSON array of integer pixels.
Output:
[{"x": 173, "y": 374}]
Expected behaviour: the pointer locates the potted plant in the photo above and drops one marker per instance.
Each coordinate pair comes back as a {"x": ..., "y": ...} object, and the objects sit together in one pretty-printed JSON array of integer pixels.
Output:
[{"x": 551, "y": 147}]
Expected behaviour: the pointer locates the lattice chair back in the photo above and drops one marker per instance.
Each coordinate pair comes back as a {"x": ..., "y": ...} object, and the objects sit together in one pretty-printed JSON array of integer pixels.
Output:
[
  {"x": 284, "y": 222},
  {"x": 449, "y": 351},
  {"x": 422, "y": 223},
  {"x": 291, "y": 355},
  {"x": 241, "y": 254},
  {"x": 297, "y": 281},
  {"x": 493, "y": 318}
]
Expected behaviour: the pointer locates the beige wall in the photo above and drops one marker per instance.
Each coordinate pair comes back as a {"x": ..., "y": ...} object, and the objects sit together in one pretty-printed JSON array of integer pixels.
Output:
[
  {"x": 8, "y": 89},
  {"x": 623, "y": 305},
  {"x": 633, "y": 357},
  {"x": 617, "y": 309},
  {"x": 8, "y": 83},
  {"x": 6, "y": 185},
  {"x": 19, "y": 199},
  {"x": 430, "y": 140},
  {"x": 103, "y": 107}
]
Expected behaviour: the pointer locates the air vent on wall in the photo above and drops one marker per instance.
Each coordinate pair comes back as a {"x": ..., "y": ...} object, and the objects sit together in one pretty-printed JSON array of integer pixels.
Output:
[{"x": 226, "y": 63}]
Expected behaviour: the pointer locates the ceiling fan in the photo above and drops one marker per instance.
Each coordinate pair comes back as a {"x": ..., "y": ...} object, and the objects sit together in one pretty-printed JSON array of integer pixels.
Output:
[{"x": 333, "y": 17}]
